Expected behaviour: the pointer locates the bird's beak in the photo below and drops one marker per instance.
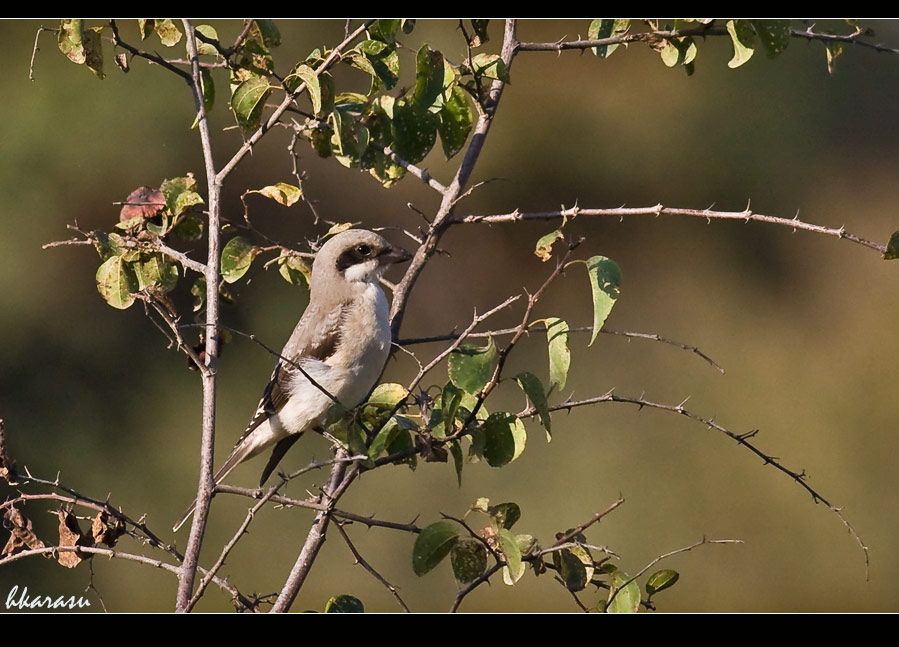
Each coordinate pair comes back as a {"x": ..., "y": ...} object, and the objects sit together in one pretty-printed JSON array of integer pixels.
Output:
[{"x": 394, "y": 255}]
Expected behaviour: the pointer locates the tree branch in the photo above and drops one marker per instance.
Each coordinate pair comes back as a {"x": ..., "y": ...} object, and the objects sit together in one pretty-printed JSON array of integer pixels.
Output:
[
  {"x": 153, "y": 58},
  {"x": 206, "y": 484},
  {"x": 454, "y": 191},
  {"x": 741, "y": 439},
  {"x": 747, "y": 215},
  {"x": 371, "y": 570}
]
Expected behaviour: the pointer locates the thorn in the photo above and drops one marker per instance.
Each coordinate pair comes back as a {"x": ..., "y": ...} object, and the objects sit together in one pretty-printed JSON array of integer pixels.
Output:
[{"x": 680, "y": 407}]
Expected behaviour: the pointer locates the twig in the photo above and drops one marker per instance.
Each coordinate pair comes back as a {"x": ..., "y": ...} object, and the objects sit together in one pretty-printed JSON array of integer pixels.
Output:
[
  {"x": 36, "y": 49},
  {"x": 741, "y": 439},
  {"x": 368, "y": 567},
  {"x": 747, "y": 215},
  {"x": 111, "y": 553},
  {"x": 153, "y": 58},
  {"x": 412, "y": 341},
  {"x": 685, "y": 549},
  {"x": 206, "y": 484},
  {"x": 421, "y": 173},
  {"x": 471, "y": 586},
  {"x": 596, "y": 518}
]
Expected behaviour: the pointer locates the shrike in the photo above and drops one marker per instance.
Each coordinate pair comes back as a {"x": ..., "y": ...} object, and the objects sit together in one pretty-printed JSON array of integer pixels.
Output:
[{"x": 341, "y": 342}]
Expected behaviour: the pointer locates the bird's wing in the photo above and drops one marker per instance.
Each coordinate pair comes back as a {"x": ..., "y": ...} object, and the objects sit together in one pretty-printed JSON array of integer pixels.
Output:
[{"x": 316, "y": 336}]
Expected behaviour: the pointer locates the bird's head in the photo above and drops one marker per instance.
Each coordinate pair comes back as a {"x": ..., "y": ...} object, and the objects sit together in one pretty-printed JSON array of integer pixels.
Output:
[{"x": 357, "y": 256}]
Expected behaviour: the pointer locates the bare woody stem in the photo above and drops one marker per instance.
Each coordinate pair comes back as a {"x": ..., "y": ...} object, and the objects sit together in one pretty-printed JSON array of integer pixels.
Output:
[
  {"x": 747, "y": 215},
  {"x": 206, "y": 484}
]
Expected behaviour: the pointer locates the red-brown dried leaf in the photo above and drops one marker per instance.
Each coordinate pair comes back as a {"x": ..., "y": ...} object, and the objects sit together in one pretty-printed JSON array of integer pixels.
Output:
[
  {"x": 21, "y": 535},
  {"x": 106, "y": 529},
  {"x": 144, "y": 202},
  {"x": 70, "y": 535}
]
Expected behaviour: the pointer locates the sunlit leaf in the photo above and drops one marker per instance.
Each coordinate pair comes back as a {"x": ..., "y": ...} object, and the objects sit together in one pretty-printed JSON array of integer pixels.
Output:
[
  {"x": 281, "y": 192},
  {"x": 169, "y": 34},
  {"x": 741, "y": 35},
  {"x": 605, "y": 282},
  {"x": 429, "y": 71},
  {"x": 628, "y": 599},
  {"x": 154, "y": 271},
  {"x": 385, "y": 29},
  {"x": 559, "y": 355},
  {"x": 471, "y": 367},
  {"x": 514, "y": 568},
  {"x": 490, "y": 66},
  {"x": 544, "y": 248},
  {"x": 116, "y": 282},
  {"x": 602, "y": 28},
  {"x": 237, "y": 256},
  {"x": 661, "y": 580},
  {"x": 248, "y": 101},
  {"x": 294, "y": 269},
  {"x": 571, "y": 569},
  {"x": 414, "y": 131},
  {"x": 303, "y": 73},
  {"x": 203, "y": 47}
]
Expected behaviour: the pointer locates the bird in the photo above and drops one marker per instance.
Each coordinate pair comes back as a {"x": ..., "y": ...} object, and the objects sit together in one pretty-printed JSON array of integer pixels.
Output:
[{"x": 336, "y": 353}]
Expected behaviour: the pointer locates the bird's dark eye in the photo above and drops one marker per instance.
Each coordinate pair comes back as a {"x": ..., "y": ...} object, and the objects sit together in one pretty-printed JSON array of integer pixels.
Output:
[{"x": 363, "y": 250}]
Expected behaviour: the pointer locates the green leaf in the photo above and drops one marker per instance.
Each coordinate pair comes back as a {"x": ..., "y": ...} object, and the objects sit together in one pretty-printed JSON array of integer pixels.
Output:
[
  {"x": 344, "y": 604},
  {"x": 403, "y": 442},
  {"x": 628, "y": 600},
  {"x": 382, "y": 439},
  {"x": 304, "y": 73},
  {"x": 504, "y": 439},
  {"x": 153, "y": 271},
  {"x": 526, "y": 543},
  {"x": 173, "y": 189},
  {"x": 208, "y": 88},
  {"x": 490, "y": 66},
  {"x": 383, "y": 61},
  {"x": 605, "y": 281},
  {"x": 281, "y": 192},
  {"x": 469, "y": 559},
  {"x": 205, "y": 48},
  {"x": 189, "y": 227},
  {"x": 458, "y": 459},
  {"x": 237, "y": 256},
  {"x": 454, "y": 122},
  {"x": 606, "y": 28},
  {"x": 414, "y": 131},
  {"x": 450, "y": 399},
  {"x": 661, "y": 580},
  {"x": 433, "y": 544},
  {"x": 774, "y": 34},
  {"x": 248, "y": 100},
  {"x": 271, "y": 36},
  {"x": 533, "y": 388},
  {"x": 81, "y": 45},
  {"x": 387, "y": 395},
  {"x": 428, "y": 77},
  {"x": 116, "y": 282},
  {"x": 741, "y": 35},
  {"x": 571, "y": 569},
  {"x": 508, "y": 546},
  {"x": 294, "y": 269},
  {"x": 559, "y": 355},
  {"x": 169, "y": 35},
  {"x": 184, "y": 201},
  {"x": 505, "y": 514},
  {"x": 470, "y": 367},
  {"x": 350, "y": 138},
  {"x": 384, "y": 30},
  {"x": 544, "y": 248},
  {"x": 108, "y": 245},
  {"x": 892, "y": 251},
  {"x": 198, "y": 290}
]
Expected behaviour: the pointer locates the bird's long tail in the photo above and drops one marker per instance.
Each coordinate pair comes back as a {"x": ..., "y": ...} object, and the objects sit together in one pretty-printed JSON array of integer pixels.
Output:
[{"x": 246, "y": 449}]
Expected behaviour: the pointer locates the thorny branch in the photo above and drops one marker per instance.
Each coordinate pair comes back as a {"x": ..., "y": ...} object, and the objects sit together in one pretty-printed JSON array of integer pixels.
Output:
[
  {"x": 747, "y": 215},
  {"x": 741, "y": 439},
  {"x": 394, "y": 591}
]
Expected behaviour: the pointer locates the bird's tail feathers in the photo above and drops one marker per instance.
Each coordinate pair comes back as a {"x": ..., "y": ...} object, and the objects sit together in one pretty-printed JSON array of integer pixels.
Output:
[{"x": 246, "y": 449}]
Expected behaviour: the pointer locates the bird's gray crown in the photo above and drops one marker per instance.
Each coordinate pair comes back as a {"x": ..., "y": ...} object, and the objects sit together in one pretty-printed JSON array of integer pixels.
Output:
[{"x": 356, "y": 254}]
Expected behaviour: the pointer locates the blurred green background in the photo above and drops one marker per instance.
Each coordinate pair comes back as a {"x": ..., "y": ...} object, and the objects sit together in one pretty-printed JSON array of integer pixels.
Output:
[{"x": 804, "y": 324}]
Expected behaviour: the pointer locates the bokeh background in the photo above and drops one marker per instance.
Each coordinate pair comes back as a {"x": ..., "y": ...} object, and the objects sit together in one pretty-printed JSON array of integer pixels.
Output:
[{"x": 804, "y": 324}]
